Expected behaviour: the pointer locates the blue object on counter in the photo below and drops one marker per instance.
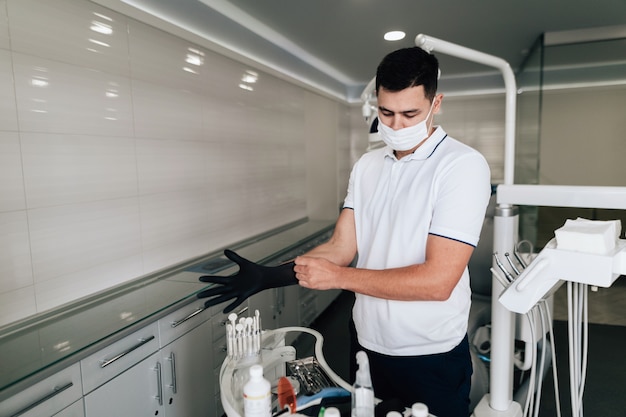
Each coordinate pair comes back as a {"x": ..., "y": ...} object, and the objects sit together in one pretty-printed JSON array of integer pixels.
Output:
[{"x": 334, "y": 392}]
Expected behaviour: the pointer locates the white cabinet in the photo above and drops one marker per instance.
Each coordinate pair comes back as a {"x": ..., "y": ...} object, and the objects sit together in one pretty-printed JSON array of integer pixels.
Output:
[
  {"x": 119, "y": 356},
  {"x": 188, "y": 374},
  {"x": 47, "y": 397},
  {"x": 174, "y": 381},
  {"x": 75, "y": 410},
  {"x": 187, "y": 364},
  {"x": 135, "y": 392},
  {"x": 124, "y": 378}
]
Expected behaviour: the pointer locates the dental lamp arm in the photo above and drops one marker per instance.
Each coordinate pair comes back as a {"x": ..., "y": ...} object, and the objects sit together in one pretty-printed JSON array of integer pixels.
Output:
[{"x": 429, "y": 44}]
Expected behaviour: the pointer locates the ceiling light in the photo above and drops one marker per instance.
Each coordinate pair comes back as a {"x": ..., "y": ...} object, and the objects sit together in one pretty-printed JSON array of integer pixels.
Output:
[{"x": 394, "y": 35}]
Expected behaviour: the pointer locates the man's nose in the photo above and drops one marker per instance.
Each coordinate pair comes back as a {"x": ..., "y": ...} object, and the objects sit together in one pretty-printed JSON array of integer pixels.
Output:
[{"x": 396, "y": 123}]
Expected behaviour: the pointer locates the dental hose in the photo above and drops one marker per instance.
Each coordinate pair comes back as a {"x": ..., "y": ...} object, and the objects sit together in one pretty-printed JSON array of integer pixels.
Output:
[
  {"x": 555, "y": 375},
  {"x": 578, "y": 337},
  {"x": 530, "y": 316},
  {"x": 543, "y": 312},
  {"x": 535, "y": 382}
]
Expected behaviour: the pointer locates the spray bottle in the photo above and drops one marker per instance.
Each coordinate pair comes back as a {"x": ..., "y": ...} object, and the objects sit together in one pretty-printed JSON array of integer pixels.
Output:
[{"x": 363, "y": 392}]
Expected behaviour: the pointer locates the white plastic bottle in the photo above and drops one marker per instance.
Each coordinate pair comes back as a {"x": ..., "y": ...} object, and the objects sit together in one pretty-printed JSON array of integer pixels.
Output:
[
  {"x": 363, "y": 392},
  {"x": 419, "y": 410},
  {"x": 257, "y": 396}
]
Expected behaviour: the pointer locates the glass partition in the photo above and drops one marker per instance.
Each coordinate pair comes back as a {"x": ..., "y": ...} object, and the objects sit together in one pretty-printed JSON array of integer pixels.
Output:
[
  {"x": 581, "y": 68},
  {"x": 528, "y": 131}
]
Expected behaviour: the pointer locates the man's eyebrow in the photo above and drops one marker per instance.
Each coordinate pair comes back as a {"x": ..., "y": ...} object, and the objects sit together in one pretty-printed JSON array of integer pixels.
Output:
[{"x": 384, "y": 109}]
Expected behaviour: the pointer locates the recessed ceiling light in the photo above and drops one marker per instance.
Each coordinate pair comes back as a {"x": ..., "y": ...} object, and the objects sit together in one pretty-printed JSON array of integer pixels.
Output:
[{"x": 394, "y": 35}]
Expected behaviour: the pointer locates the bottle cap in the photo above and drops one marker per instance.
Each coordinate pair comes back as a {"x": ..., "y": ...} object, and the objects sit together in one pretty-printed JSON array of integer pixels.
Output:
[
  {"x": 419, "y": 410},
  {"x": 394, "y": 414},
  {"x": 256, "y": 371}
]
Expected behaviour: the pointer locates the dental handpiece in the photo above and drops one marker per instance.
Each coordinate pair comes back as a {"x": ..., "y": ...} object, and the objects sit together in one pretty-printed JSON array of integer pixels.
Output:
[
  {"x": 506, "y": 273},
  {"x": 510, "y": 261}
]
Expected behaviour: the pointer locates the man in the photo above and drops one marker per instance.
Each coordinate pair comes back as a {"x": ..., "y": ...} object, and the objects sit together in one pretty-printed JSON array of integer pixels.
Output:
[{"x": 412, "y": 214}]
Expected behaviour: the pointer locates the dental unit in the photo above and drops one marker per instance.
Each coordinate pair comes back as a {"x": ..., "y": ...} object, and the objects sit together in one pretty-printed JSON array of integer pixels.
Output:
[{"x": 525, "y": 286}]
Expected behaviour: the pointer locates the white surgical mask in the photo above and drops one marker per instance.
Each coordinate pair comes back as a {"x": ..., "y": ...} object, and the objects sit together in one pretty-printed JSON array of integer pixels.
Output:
[{"x": 406, "y": 138}]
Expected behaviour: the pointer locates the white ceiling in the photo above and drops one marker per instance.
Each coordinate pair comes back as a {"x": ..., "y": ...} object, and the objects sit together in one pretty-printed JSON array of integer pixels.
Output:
[{"x": 336, "y": 45}]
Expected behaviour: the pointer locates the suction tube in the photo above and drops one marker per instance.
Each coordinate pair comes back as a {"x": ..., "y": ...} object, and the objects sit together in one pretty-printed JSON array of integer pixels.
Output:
[{"x": 429, "y": 44}]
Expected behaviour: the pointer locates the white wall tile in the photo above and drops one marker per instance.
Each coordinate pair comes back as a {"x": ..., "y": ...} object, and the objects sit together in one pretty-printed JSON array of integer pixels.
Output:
[
  {"x": 17, "y": 304},
  {"x": 8, "y": 107},
  {"x": 11, "y": 180},
  {"x": 72, "y": 238},
  {"x": 157, "y": 57},
  {"x": 56, "y": 97},
  {"x": 4, "y": 26},
  {"x": 76, "y": 32},
  {"x": 170, "y": 165},
  {"x": 69, "y": 169},
  {"x": 174, "y": 226},
  {"x": 164, "y": 112},
  {"x": 15, "y": 265}
]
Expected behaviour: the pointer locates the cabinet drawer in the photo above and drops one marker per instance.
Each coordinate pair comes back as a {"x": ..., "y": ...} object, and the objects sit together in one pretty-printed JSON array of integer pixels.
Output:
[
  {"x": 114, "y": 359},
  {"x": 186, "y": 318},
  {"x": 75, "y": 410},
  {"x": 136, "y": 392},
  {"x": 46, "y": 397}
]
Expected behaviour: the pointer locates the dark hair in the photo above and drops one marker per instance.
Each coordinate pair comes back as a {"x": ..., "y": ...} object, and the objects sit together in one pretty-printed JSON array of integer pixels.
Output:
[{"x": 408, "y": 67}]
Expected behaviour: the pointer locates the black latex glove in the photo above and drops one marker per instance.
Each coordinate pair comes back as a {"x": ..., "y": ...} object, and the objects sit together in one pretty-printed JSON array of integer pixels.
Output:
[{"x": 251, "y": 279}]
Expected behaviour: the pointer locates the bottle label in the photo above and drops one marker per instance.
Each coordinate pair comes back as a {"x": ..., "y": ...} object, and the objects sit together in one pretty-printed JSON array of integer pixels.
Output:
[{"x": 257, "y": 405}]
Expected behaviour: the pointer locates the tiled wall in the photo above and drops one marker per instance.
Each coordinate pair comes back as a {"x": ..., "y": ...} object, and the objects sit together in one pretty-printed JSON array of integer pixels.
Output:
[
  {"x": 125, "y": 149},
  {"x": 115, "y": 161}
]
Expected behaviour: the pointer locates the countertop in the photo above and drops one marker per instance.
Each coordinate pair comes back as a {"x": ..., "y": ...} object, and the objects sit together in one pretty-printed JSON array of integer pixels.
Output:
[{"x": 36, "y": 347}]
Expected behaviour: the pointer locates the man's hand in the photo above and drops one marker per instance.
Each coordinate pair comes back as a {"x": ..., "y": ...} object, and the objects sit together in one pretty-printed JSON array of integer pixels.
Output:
[
  {"x": 316, "y": 273},
  {"x": 249, "y": 280}
]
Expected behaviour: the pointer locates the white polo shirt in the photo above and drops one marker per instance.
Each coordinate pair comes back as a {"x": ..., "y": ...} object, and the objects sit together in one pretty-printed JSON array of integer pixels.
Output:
[{"x": 443, "y": 188}]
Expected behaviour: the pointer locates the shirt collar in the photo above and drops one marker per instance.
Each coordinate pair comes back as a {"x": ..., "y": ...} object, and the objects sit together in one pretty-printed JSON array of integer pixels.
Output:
[{"x": 425, "y": 150}]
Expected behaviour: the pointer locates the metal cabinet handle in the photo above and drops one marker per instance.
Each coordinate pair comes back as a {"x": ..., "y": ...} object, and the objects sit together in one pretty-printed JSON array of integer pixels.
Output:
[
  {"x": 55, "y": 391},
  {"x": 192, "y": 315},
  {"x": 142, "y": 342},
  {"x": 172, "y": 360},
  {"x": 159, "y": 396}
]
